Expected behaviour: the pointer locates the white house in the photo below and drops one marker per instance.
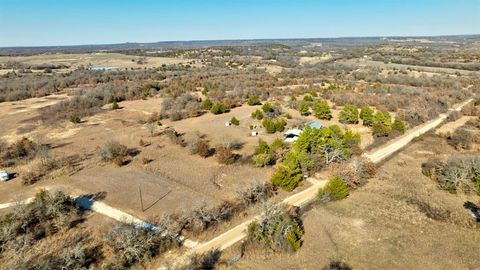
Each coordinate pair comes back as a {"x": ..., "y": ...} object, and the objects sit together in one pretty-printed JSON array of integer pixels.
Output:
[{"x": 292, "y": 135}]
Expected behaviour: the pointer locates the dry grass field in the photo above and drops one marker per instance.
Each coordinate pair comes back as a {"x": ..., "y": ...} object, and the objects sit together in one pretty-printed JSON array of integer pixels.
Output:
[{"x": 97, "y": 59}]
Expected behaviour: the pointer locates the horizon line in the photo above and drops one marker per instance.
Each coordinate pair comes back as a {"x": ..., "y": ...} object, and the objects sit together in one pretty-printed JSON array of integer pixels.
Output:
[{"x": 240, "y": 39}]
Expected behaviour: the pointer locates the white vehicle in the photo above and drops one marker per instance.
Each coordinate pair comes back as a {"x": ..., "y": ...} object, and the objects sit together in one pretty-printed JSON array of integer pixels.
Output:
[{"x": 4, "y": 176}]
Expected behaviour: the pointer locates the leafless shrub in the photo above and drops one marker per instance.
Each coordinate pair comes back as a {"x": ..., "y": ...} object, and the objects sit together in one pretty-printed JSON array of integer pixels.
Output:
[
  {"x": 356, "y": 172},
  {"x": 115, "y": 152},
  {"x": 455, "y": 115},
  {"x": 225, "y": 155},
  {"x": 3, "y": 146},
  {"x": 201, "y": 147},
  {"x": 46, "y": 215},
  {"x": 461, "y": 172},
  {"x": 461, "y": 139},
  {"x": 75, "y": 252},
  {"x": 337, "y": 265},
  {"x": 146, "y": 160},
  {"x": 473, "y": 123},
  {"x": 152, "y": 128},
  {"x": 39, "y": 169},
  {"x": 458, "y": 172},
  {"x": 256, "y": 192},
  {"x": 203, "y": 217},
  {"x": 175, "y": 137},
  {"x": 23, "y": 149},
  {"x": 470, "y": 110},
  {"x": 154, "y": 118},
  {"x": 204, "y": 261},
  {"x": 133, "y": 244},
  {"x": 432, "y": 167}
]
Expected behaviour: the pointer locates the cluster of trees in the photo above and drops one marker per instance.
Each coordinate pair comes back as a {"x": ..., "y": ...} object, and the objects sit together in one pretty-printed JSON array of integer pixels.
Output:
[
  {"x": 133, "y": 244},
  {"x": 458, "y": 172},
  {"x": 224, "y": 153},
  {"x": 124, "y": 246},
  {"x": 432, "y": 58},
  {"x": 215, "y": 108},
  {"x": 381, "y": 122},
  {"x": 89, "y": 102},
  {"x": 314, "y": 148},
  {"x": 22, "y": 86},
  {"x": 181, "y": 107},
  {"x": 272, "y": 125},
  {"x": 319, "y": 107},
  {"x": 413, "y": 105},
  {"x": 46, "y": 222}
]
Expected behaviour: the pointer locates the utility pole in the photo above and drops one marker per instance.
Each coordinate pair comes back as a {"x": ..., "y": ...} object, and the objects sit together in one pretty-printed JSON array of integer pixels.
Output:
[{"x": 141, "y": 199}]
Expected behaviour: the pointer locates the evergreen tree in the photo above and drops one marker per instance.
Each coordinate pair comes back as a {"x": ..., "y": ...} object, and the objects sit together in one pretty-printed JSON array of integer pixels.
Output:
[
  {"x": 398, "y": 125},
  {"x": 367, "y": 115},
  {"x": 253, "y": 100},
  {"x": 207, "y": 104},
  {"x": 304, "y": 108},
  {"x": 349, "y": 115},
  {"x": 382, "y": 125},
  {"x": 322, "y": 110},
  {"x": 235, "y": 121}
]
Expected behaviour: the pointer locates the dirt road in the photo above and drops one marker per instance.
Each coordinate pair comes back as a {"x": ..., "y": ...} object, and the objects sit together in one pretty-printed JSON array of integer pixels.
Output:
[
  {"x": 391, "y": 147},
  {"x": 11, "y": 204}
]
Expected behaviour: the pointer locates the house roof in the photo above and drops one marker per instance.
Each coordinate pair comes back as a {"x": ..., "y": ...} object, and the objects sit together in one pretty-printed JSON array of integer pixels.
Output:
[
  {"x": 295, "y": 131},
  {"x": 314, "y": 124}
]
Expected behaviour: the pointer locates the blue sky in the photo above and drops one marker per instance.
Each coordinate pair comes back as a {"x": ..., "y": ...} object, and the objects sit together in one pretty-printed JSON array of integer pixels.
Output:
[{"x": 69, "y": 22}]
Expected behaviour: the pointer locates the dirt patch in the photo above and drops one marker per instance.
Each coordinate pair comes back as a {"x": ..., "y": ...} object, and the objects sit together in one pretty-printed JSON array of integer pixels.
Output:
[{"x": 450, "y": 127}]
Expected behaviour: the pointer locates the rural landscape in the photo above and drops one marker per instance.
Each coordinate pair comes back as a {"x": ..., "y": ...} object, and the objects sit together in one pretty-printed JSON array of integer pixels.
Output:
[{"x": 297, "y": 153}]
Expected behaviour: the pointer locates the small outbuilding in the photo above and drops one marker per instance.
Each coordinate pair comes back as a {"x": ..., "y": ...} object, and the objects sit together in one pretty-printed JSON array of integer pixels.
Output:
[{"x": 4, "y": 176}]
